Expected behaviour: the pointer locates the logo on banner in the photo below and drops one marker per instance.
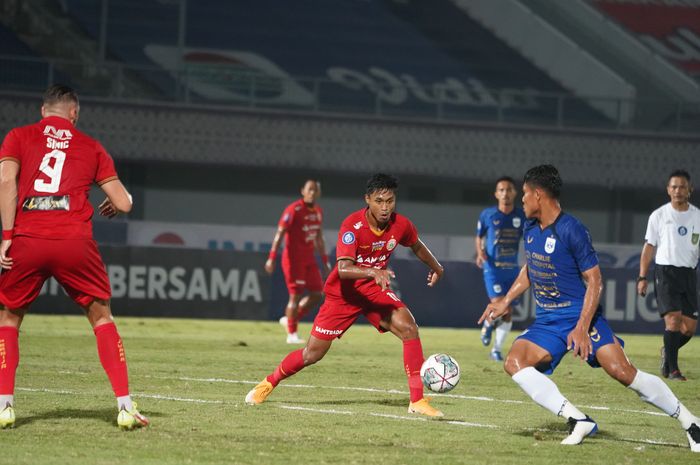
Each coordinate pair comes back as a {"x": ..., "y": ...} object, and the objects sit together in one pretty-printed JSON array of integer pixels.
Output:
[
  {"x": 682, "y": 230},
  {"x": 550, "y": 244},
  {"x": 516, "y": 222},
  {"x": 348, "y": 238}
]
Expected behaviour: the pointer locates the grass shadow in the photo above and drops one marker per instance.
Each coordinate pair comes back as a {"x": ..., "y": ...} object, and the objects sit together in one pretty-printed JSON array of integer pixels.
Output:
[{"x": 107, "y": 415}]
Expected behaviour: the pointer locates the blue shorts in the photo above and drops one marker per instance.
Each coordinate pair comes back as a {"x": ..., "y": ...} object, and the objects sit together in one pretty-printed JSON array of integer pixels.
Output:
[
  {"x": 551, "y": 334},
  {"x": 498, "y": 282}
]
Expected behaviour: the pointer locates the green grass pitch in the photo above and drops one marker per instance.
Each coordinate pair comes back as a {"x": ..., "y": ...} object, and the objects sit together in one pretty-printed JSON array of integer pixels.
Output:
[{"x": 190, "y": 377}]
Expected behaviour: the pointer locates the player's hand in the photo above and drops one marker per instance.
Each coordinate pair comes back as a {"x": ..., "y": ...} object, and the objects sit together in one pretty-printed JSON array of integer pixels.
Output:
[
  {"x": 107, "y": 209},
  {"x": 494, "y": 310},
  {"x": 579, "y": 341},
  {"x": 480, "y": 258},
  {"x": 5, "y": 259},
  {"x": 434, "y": 277},
  {"x": 270, "y": 266},
  {"x": 382, "y": 277},
  {"x": 642, "y": 287}
]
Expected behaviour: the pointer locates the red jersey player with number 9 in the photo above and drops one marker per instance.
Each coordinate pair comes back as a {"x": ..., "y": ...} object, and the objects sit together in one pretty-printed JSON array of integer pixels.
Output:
[
  {"x": 46, "y": 171},
  {"x": 359, "y": 285}
]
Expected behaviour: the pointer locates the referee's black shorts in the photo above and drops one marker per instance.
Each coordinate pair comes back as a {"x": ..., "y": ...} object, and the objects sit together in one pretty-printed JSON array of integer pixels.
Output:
[{"x": 676, "y": 290}]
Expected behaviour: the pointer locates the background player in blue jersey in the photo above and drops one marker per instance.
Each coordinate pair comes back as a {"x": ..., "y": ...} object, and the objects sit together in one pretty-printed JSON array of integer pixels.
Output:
[
  {"x": 498, "y": 234},
  {"x": 562, "y": 269}
]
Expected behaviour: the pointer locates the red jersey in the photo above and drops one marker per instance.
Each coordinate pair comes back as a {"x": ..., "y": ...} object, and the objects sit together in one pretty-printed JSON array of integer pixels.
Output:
[
  {"x": 303, "y": 224},
  {"x": 367, "y": 248},
  {"x": 57, "y": 166}
]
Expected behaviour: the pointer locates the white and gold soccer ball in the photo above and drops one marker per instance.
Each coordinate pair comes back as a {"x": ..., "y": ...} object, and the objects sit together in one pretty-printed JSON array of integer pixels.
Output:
[{"x": 440, "y": 373}]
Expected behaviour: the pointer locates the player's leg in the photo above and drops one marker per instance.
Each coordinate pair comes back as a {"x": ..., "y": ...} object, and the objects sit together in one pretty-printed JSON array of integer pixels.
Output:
[
  {"x": 672, "y": 343},
  {"x": 290, "y": 312},
  {"x": 111, "y": 353},
  {"x": 522, "y": 363},
  {"x": 503, "y": 327},
  {"x": 688, "y": 327},
  {"x": 314, "y": 284},
  {"x": 402, "y": 324},
  {"x": 650, "y": 389},
  {"x": 10, "y": 321},
  {"x": 494, "y": 291}
]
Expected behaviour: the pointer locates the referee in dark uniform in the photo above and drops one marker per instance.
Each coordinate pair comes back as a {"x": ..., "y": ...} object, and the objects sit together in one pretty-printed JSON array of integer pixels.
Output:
[{"x": 672, "y": 236}]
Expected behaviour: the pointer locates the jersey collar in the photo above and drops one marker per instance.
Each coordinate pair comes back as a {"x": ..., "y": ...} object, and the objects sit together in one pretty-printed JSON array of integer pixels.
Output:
[{"x": 378, "y": 233}]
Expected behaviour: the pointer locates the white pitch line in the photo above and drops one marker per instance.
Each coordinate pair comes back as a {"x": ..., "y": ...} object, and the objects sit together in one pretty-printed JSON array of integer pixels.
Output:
[{"x": 316, "y": 410}]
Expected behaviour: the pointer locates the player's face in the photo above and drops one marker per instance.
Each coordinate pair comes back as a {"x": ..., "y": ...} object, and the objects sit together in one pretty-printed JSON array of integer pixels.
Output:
[
  {"x": 531, "y": 201},
  {"x": 505, "y": 193},
  {"x": 679, "y": 189},
  {"x": 311, "y": 192},
  {"x": 381, "y": 205}
]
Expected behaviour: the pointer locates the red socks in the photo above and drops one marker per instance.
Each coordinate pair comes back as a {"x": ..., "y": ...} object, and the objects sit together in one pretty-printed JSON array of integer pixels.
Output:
[
  {"x": 292, "y": 325},
  {"x": 292, "y": 363},
  {"x": 412, "y": 361},
  {"x": 111, "y": 351},
  {"x": 9, "y": 358}
]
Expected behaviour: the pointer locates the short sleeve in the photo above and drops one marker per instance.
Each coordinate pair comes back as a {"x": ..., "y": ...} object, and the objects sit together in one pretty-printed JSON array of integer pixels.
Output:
[
  {"x": 105, "y": 166},
  {"x": 481, "y": 225},
  {"x": 581, "y": 245},
  {"x": 11, "y": 147},
  {"x": 410, "y": 235},
  {"x": 652, "y": 234},
  {"x": 347, "y": 242},
  {"x": 287, "y": 217}
]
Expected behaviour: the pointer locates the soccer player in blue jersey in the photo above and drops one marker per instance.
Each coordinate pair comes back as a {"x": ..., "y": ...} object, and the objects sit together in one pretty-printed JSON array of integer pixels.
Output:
[
  {"x": 562, "y": 269},
  {"x": 498, "y": 234}
]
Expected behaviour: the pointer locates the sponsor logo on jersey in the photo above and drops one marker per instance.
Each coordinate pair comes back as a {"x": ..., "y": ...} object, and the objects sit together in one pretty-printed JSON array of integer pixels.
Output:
[
  {"x": 60, "y": 134},
  {"x": 379, "y": 245},
  {"x": 348, "y": 238},
  {"x": 550, "y": 244},
  {"x": 285, "y": 218},
  {"x": 357, "y": 225},
  {"x": 530, "y": 239},
  {"x": 330, "y": 332},
  {"x": 496, "y": 222},
  {"x": 694, "y": 238},
  {"x": 682, "y": 230},
  {"x": 497, "y": 288},
  {"x": 391, "y": 244},
  {"x": 595, "y": 335},
  {"x": 516, "y": 222}
]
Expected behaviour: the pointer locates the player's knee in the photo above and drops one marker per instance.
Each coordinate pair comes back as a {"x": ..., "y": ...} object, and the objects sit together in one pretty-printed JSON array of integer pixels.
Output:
[
  {"x": 511, "y": 365},
  {"x": 407, "y": 330},
  {"x": 312, "y": 356},
  {"x": 623, "y": 374}
]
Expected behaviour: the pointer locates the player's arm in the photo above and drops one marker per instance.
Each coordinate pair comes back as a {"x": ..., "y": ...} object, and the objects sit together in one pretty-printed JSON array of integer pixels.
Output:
[
  {"x": 503, "y": 306},
  {"x": 578, "y": 339},
  {"x": 426, "y": 256},
  {"x": 648, "y": 253},
  {"x": 276, "y": 241},
  {"x": 321, "y": 247},
  {"x": 481, "y": 256},
  {"x": 118, "y": 199},
  {"x": 9, "y": 169},
  {"x": 348, "y": 270}
]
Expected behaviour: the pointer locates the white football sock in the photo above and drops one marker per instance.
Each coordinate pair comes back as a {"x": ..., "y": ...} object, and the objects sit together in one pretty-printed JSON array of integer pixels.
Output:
[
  {"x": 7, "y": 399},
  {"x": 502, "y": 331},
  {"x": 124, "y": 402},
  {"x": 543, "y": 391},
  {"x": 651, "y": 389}
]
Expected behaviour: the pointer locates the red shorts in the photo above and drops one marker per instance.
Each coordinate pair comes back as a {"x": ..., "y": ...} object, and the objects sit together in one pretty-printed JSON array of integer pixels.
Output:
[
  {"x": 75, "y": 263},
  {"x": 301, "y": 275},
  {"x": 336, "y": 315}
]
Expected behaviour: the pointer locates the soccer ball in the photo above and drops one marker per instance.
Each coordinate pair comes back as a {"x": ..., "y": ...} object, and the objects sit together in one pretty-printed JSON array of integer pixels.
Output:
[{"x": 440, "y": 373}]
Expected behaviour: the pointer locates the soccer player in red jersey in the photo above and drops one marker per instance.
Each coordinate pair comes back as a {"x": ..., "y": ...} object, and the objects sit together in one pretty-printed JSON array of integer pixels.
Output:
[
  {"x": 300, "y": 225},
  {"x": 46, "y": 170},
  {"x": 359, "y": 285}
]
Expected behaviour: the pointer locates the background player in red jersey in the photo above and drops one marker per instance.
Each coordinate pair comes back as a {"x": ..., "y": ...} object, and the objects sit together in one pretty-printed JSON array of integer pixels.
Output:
[
  {"x": 46, "y": 171},
  {"x": 359, "y": 285},
  {"x": 300, "y": 225}
]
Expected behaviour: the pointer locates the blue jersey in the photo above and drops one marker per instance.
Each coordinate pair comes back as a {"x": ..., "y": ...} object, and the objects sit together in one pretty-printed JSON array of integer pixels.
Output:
[
  {"x": 503, "y": 233},
  {"x": 556, "y": 257}
]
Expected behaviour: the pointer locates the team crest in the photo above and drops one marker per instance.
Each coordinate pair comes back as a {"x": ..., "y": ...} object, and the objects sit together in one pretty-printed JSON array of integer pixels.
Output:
[
  {"x": 516, "y": 222},
  {"x": 497, "y": 288},
  {"x": 496, "y": 222},
  {"x": 682, "y": 230},
  {"x": 391, "y": 244},
  {"x": 694, "y": 238},
  {"x": 550, "y": 244},
  {"x": 348, "y": 238}
]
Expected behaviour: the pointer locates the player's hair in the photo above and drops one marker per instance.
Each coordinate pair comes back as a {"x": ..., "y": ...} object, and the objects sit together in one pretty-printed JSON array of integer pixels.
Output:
[
  {"x": 679, "y": 174},
  {"x": 506, "y": 179},
  {"x": 545, "y": 177},
  {"x": 381, "y": 182},
  {"x": 59, "y": 93},
  {"x": 316, "y": 181}
]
